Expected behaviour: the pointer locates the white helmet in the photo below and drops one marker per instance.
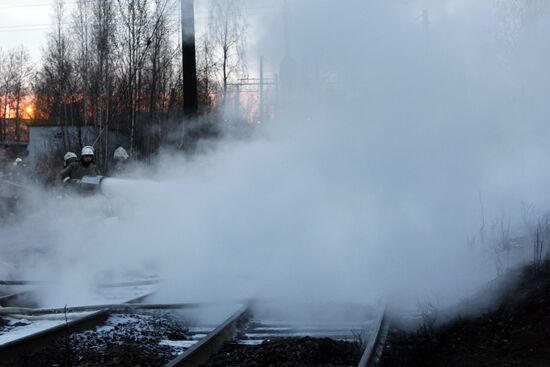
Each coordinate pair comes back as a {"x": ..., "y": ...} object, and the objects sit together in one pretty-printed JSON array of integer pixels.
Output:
[
  {"x": 17, "y": 161},
  {"x": 69, "y": 155},
  {"x": 120, "y": 154},
  {"x": 87, "y": 150}
]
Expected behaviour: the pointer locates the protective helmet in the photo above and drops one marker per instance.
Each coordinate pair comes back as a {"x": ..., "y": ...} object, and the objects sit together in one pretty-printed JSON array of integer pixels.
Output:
[
  {"x": 87, "y": 150},
  {"x": 120, "y": 154},
  {"x": 69, "y": 155},
  {"x": 17, "y": 161}
]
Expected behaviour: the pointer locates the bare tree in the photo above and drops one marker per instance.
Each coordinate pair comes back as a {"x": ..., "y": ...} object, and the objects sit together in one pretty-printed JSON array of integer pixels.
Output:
[
  {"x": 133, "y": 42},
  {"x": 160, "y": 73},
  {"x": 20, "y": 73},
  {"x": 103, "y": 61},
  {"x": 5, "y": 67},
  {"x": 82, "y": 42},
  {"x": 228, "y": 34},
  {"x": 15, "y": 70},
  {"x": 56, "y": 77},
  {"x": 207, "y": 69},
  {"x": 117, "y": 66}
]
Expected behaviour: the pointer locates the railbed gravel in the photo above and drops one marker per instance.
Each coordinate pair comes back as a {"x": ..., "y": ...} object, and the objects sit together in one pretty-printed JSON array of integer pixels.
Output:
[
  {"x": 125, "y": 340},
  {"x": 289, "y": 352}
]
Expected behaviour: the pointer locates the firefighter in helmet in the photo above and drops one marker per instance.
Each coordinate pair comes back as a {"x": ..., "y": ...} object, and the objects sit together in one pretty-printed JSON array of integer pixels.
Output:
[
  {"x": 69, "y": 158},
  {"x": 78, "y": 169},
  {"x": 121, "y": 159}
]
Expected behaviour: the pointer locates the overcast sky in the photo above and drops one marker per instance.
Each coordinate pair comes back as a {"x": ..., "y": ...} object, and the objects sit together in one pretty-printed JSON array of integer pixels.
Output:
[
  {"x": 24, "y": 22},
  {"x": 27, "y": 22}
]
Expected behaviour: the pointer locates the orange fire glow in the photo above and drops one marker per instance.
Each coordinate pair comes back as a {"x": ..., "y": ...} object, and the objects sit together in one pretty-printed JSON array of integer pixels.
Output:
[
  {"x": 26, "y": 109},
  {"x": 29, "y": 111}
]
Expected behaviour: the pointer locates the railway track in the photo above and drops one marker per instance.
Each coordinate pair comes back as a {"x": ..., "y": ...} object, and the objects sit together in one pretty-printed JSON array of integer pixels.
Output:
[
  {"x": 252, "y": 325},
  {"x": 201, "y": 351},
  {"x": 275, "y": 321},
  {"x": 246, "y": 324},
  {"x": 24, "y": 335},
  {"x": 17, "y": 293},
  {"x": 373, "y": 350},
  {"x": 15, "y": 297}
]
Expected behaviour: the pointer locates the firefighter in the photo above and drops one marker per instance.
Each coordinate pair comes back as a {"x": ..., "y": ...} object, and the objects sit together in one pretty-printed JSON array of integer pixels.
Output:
[
  {"x": 69, "y": 158},
  {"x": 17, "y": 171},
  {"x": 78, "y": 169},
  {"x": 12, "y": 187},
  {"x": 121, "y": 158}
]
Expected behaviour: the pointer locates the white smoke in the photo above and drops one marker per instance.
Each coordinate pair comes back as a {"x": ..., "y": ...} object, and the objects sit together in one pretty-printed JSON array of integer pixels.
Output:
[{"x": 367, "y": 182}]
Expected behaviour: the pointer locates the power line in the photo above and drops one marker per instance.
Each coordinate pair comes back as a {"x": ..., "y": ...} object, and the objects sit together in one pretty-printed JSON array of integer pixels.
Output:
[
  {"x": 30, "y": 29},
  {"x": 26, "y": 6},
  {"x": 199, "y": 17},
  {"x": 197, "y": 14},
  {"x": 40, "y": 5},
  {"x": 25, "y": 26}
]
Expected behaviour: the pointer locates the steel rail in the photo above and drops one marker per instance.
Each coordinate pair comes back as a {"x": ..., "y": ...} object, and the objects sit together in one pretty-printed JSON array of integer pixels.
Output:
[
  {"x": 8, "y": 299},
  {"x": 22, "y": 282},
  {"x": 211, "y": 344},
  {"x": 30, "y": 343},
  {"x": 102, "y": 285},
  {"x": 112, "y": 307},
  {"x": 130, "y": 283},
  {"x": 373, "y": 349}
]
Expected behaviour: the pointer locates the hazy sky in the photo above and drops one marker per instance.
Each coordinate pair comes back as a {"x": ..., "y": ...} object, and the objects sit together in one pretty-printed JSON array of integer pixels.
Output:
[
  {"x": 27, "y": 22},
  {"x": 24, "y": 22}
]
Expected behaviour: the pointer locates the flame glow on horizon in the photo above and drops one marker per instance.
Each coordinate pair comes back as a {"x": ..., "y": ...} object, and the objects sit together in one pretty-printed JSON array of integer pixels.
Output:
[{"x": 26, "y": 108}]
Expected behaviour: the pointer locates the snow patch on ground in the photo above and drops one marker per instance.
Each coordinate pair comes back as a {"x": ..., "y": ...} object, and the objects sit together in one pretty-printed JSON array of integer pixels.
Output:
[{"x": 20, "y": 328}]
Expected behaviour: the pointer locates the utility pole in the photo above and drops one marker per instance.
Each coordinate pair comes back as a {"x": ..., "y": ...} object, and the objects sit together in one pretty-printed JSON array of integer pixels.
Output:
[
  {"x": 190, "y": 99},
  {"x": 238, "y": 102},
  {"x": 256, "y": 86},
  {"x": 261, "y": 89},
  {"x": 426, "y": 25}
]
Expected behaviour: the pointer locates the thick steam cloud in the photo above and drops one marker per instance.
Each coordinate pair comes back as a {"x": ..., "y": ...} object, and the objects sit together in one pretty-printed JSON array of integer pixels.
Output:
[{"x": 367, "y": 182}]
